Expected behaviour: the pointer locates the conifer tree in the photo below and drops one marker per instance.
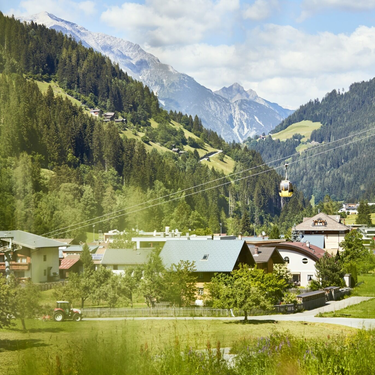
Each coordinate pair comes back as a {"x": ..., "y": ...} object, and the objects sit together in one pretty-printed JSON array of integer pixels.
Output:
[
  {"x": 86, "y": 259},
  {"x": 364, "y": 215}
]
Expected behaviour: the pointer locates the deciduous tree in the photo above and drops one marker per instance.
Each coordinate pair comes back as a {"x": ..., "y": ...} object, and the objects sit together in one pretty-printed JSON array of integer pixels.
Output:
[{"x": 180, "y": 283}]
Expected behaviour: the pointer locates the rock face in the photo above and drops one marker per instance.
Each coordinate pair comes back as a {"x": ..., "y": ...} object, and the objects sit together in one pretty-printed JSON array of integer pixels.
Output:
[{"x": 232, "y": 112}]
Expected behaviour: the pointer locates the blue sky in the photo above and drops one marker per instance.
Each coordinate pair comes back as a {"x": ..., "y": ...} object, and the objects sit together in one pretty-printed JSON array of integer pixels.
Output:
[{"x": 289, "y": 51}]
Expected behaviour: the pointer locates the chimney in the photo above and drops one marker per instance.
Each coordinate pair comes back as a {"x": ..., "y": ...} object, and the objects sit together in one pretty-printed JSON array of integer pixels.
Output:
[{"x": 256, "y": 251}]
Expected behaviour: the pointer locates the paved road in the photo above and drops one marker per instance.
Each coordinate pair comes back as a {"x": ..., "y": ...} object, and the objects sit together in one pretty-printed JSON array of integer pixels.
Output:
[
  {"x": 311, "y": 315},
  {"x": 306, "y": 316}
]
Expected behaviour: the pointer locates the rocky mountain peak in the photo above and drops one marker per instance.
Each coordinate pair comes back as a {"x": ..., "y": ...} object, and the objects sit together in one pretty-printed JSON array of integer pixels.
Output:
[{"x": 232, "y": 112}]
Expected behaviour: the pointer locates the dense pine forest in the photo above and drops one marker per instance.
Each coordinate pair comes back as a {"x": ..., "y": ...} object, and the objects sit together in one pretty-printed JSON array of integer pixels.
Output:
[
  {"x": 348, "y": 171},
  {"x": 60, "y": 166}
]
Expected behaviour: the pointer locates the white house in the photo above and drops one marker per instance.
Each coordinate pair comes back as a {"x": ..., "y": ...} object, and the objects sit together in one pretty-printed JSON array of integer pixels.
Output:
[
  {"x": 41, "y": 254},
  {"x": 300, "y": 259}
]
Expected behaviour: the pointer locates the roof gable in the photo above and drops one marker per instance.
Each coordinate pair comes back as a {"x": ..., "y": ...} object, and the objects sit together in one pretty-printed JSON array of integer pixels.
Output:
[
  {"x": 208, "y": 256},
  {"x": 264, "y": 254},
  {"x": 126, "y": 256},
  {"x": 29, "y": 240},
  {"x": 321, "y": 222}
]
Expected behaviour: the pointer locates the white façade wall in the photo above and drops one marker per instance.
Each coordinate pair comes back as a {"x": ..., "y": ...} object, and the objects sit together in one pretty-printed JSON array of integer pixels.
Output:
[
  {"x": 42, "y": 260},
  {"x": 297, "y": 267}
]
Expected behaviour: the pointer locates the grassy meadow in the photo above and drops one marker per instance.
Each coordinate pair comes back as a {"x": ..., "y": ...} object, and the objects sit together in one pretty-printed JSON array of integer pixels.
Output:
[
  {"x": 364, "y": 310},
  {"x": 350, "y": 219},
  {"x": 305, "y": 128},
  {"x": 94, "y": 347},
  {"x": 190, "y": 346}
]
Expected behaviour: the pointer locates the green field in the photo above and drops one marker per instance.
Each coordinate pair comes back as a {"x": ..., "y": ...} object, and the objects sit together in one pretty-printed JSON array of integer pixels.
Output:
[
  {"x": 364, "y": 310},
  {"x": 305, "y": 128},
  {"x": 160, "y": 346},
  {"x": 350, "y": 219},
  {"x": 44, "y": 341}
]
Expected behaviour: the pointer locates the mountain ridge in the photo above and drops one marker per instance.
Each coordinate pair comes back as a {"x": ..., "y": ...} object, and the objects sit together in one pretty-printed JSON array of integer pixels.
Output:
[{"x": 177, "y": 91}]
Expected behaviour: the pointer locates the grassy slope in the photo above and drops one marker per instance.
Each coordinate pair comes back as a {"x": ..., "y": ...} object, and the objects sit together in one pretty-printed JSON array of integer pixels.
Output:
[
  {"x": 226, "y": 166},
  {"x": 304, "y": 128},
  {"x": 43, "y": 86}
]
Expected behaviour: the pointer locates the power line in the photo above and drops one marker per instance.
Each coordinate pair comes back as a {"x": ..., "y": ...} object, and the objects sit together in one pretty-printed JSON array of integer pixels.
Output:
[{"x": 111, "y": 216}]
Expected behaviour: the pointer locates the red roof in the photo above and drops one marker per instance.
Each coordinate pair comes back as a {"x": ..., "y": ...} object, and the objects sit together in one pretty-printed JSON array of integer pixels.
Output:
[
  {"x": 67, "y": 263},
  {"x": 313, "y": 251}
]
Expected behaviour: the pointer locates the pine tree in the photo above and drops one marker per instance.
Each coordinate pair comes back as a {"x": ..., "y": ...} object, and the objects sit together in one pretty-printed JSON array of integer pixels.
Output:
[
  {"x": 364, "y": 215},
  {"x": 86, "y": 259}
]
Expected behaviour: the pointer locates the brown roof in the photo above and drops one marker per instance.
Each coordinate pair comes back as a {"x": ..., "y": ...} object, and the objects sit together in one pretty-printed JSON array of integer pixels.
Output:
[
  {"x": 327, "y": 224},
  {"x": 265, "y": 254},
  {"x": 314, "y": 252},
  {"x": 68, "y": 262}
]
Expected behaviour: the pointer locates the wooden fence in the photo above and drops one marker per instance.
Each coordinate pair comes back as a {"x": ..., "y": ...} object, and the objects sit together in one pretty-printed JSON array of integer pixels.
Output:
[
  {"x": 155, "y": 312},
  {"x": 49, "y": 285}
]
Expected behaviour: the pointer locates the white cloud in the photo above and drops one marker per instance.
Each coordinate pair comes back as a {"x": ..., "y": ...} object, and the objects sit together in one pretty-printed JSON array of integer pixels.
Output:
[
  {"x": 67, "y": 9},
  {"x": 282, "y": 64},
  {"x": 311, "y": 7},
  {"x": 261, "y": 9},
  {"x": 168, "y": 22}
]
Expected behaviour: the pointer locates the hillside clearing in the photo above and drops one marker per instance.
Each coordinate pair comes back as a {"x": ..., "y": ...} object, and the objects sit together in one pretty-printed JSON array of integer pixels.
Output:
[{"x": 305, "y": 128}]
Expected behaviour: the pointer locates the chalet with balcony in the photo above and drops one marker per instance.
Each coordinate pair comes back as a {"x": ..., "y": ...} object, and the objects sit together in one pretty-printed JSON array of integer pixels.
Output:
[
  {"x": 33, "y": 257},
  {"x": 328, "y": 226}
]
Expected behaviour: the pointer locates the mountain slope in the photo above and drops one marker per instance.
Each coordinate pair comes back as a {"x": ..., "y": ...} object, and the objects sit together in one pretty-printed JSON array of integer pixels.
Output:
[
  {"x": 344, "y": 169},
  {"x": 176, "y": 91}
]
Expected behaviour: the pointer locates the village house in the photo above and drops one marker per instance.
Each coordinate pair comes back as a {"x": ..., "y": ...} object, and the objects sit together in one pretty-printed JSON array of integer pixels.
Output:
[
  {"x": 300, "y": 258},
  {"x": 209, "y": 257},
  {"x": 108, "y": 116},
  {"x": 265, "y": 257},
  {"x": 328, "y": 226},
  {"x": 69, "y": 257},
  {"x": 119, "y": 260},
  {"x": 95, "y": 112},
  {"x": 34, "y": 257}
]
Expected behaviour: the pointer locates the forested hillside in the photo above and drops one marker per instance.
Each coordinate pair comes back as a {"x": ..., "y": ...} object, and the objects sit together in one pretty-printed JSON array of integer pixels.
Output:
[
  {"x": 60, "y": 166},
  {"x": 348, "y": 171}
]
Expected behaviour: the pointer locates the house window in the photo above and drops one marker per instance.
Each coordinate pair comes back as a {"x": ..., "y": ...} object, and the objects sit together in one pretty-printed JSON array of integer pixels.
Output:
[
  {"x": 201, "y": 291},
  {"x": 309, "y": 277},
  {"x": 44, "y": 258},
  {"x": 200, "y": 276},
  {"x": 2, "y": 258},
  {"x": 319, "y": 223},
  {"x": 205, "y": 257},
  {"x": 115, "y": 267},
  {"x": 45, "y": 272},
  {"x": 304, "y": 260},
  {"x": 286, "y": 260}
]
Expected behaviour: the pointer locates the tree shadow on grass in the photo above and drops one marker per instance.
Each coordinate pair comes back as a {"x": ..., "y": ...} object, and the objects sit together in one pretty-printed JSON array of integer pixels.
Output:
[
  {"x": 13, "y": 345},
  {"x": 38, "y": 330},
  {"x": 253, "y": 321}
]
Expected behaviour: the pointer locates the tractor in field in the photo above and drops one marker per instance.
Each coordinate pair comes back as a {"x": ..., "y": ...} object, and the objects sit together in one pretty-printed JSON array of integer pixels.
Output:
[{"x": 64, "y": 311}]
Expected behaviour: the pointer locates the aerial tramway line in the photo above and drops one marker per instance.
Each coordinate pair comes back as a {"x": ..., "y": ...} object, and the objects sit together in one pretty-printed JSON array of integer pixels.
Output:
[{"x": 285, "y": 189}]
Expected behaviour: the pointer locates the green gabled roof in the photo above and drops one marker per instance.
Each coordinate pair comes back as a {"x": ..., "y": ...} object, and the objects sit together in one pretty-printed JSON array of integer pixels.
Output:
[
  {"x": 29, "y": 240},
  {"x": 222, "y": 256},
  {"x": 126, "y": 256}
]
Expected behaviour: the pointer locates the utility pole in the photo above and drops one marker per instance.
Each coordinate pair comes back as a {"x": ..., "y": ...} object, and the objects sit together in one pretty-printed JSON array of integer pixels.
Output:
[{"x": 8, "y": 253}]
